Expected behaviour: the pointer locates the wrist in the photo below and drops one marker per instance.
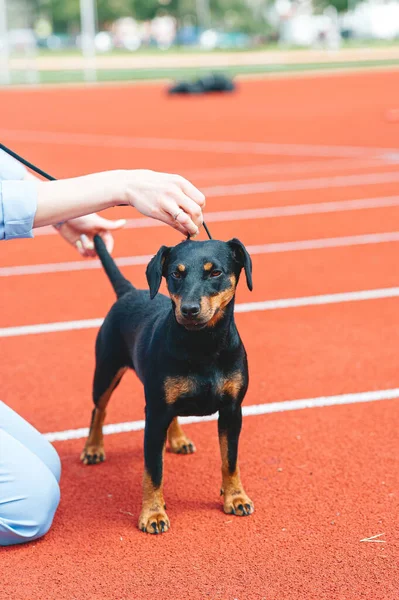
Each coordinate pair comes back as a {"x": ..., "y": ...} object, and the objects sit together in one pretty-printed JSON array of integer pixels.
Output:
[{"x": 122, "y": 189}]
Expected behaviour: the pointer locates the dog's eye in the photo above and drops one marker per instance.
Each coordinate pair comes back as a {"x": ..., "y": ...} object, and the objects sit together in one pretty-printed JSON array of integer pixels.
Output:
[
  {"x": 176, "y": 275},
  {"x": 216, "y": 273}
]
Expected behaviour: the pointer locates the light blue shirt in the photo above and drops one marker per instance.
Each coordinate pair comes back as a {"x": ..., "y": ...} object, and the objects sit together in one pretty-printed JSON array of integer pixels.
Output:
[{"x": 18, "y": 200}]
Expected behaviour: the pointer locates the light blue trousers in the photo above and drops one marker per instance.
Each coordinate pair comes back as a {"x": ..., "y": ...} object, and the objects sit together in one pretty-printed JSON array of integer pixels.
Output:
[{"x": 30, "y": 470}]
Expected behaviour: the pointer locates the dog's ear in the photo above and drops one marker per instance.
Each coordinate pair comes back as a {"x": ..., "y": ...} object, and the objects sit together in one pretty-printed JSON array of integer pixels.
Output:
[
  {"x": 155, "y": 270},
  {"x": 241, "y": 256}
]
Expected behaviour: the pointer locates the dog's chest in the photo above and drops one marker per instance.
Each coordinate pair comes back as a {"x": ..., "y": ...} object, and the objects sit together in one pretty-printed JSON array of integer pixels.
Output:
[{"x": 203, "y": 394}]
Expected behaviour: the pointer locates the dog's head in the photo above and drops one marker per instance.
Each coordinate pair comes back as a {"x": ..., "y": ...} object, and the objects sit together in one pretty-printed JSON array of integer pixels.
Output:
[{"x": 201, "y": 278}]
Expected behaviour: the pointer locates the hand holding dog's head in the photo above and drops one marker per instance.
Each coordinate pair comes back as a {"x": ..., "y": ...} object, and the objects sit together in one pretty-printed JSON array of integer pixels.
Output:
[{"x": 201, "y": 278}]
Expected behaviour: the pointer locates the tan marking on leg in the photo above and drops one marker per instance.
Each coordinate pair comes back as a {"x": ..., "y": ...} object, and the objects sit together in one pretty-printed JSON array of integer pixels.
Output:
[
  {"x": 153, "y": 517},
  {"x": 208, "y": 266},
  {"x": 93, "y": 451},
  {"x": 179, "y": 443},
  {"x": 231, "y": 385},
  {"x": 236, "y": 501},
  {"x": 177, "y": 386}
]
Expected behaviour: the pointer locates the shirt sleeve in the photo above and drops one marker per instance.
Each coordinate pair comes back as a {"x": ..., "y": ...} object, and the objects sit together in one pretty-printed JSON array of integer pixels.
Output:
[
  {"x": 18, "y": 204},
  {"x": 10, "y": 168}
]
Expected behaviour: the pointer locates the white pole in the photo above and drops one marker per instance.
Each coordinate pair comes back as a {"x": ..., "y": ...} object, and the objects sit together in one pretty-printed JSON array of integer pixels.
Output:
[
  {"x": 88, "y": 32},
  {"x": 4, "y": 50}
]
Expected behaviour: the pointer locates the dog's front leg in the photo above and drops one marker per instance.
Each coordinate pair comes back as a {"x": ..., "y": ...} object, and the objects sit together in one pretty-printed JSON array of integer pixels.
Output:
[
  {"x": 236, "y": 501},
  {"x": 153, "y": 517}
]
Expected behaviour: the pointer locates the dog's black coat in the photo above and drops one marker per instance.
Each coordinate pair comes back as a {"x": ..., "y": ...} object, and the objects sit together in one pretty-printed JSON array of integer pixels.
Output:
[{"x": 141, "y": 332}]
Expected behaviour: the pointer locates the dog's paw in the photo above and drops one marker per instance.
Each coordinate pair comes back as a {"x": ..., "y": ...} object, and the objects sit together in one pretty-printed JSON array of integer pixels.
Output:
[
  {"x": 92, "y": 455},
  {"x": 181, "y": 445},
  {"x": 238, "y": 504},
  {"x": 153, "y": 521}
]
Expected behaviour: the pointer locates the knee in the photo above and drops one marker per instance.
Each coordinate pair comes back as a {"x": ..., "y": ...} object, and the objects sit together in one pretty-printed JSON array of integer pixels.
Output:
[
  {"x": 53, "y": 461},
  {"x": 31, "y": 517},
  {"x": 45, "y": 505}
]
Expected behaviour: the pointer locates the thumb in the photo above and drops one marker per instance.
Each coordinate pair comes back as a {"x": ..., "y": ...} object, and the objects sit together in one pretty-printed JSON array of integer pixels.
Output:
[{"x": 111, "y": 225}]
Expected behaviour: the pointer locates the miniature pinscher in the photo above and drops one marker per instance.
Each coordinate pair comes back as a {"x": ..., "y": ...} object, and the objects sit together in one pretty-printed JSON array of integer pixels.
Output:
[{"x": 188, "y": 354}]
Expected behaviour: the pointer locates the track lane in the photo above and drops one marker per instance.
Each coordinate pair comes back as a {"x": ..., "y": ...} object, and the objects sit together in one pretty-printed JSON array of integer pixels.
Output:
[
  {"x": 350, "y": 451},
  {"x": 302, "y": 542},
  {"x": 88, "y": 294},
  {"x": 259, "y": 231},
  {"x": 296, "y": 353},
  {"x": 350, "y": 111}
]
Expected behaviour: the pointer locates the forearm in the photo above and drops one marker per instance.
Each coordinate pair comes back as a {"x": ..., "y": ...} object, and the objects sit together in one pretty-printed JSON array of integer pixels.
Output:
[{"x": 69, "y": 198}]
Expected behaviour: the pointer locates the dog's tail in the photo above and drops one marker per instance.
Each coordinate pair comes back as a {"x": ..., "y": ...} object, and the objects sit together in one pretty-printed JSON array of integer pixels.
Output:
[{"x": 119, "y": 283}]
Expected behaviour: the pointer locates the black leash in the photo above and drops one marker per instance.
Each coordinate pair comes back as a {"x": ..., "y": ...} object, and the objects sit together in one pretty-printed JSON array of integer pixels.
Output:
[
  {"x": 49, "y": 177},
  {"x": 207, "y": 230},
  {"x": 26, "y": 162}
]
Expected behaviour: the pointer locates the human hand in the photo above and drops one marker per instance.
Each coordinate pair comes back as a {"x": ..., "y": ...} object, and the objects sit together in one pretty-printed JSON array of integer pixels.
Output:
[
  {"x": 169, "y": 198},
  {"x": 80, "y": 232}
]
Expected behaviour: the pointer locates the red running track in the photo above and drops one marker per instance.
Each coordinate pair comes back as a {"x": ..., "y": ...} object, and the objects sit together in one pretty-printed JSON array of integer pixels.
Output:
[{"x": 322, "y": 479}]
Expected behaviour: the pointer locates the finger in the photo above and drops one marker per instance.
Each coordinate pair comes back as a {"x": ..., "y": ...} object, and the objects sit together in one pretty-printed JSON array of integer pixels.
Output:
[
  {"x": 191, "y": 208},
  {"x": 168, "y": 220},
  {"x": 87, "y": 245},
  {"x": 79, "y": 247},
  {"x": 108, "y": 240},
  {"x": 184, "y": 220},
  {"x": 109, "y": 225},
  {"x": 178, "y": 214},
  {"x": 191, "y": 191}
]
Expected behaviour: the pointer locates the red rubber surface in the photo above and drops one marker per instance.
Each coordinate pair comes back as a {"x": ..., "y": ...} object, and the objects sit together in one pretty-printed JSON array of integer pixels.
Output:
[{"x": 321, "y": 479}]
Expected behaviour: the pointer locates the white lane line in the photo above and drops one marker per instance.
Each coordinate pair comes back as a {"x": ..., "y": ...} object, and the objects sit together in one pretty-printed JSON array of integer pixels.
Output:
[
  {"x": 247, "y": 411},
  {"x": 282, "y": 303},
  {"x": 269, "y": 212},
  {"x": 50, "y": 327},
  {"x": 273, "y": 212},
  {"x": 335, "y": 164},
  {"x": 339, "y": 298},
  {"x": 267, "y": 187},
  {"x": 228, "y": 147},
  {"x": 39, "y": 269},
  {"x": 275, "y": 248}
]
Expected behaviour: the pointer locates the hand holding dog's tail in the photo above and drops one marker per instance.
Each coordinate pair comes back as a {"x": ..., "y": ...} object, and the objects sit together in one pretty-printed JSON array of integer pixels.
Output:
[{"x": 118, "y": 281}]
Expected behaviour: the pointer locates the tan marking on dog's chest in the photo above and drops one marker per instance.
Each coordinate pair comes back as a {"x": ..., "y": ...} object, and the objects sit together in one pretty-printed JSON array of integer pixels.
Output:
[
  {"x": 231, "y": 385},
  {"x": 176, "y": 387}
]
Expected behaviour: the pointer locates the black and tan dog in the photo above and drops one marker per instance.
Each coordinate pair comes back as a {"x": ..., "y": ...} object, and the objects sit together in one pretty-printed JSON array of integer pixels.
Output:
[{"x": 187, "y": 353}]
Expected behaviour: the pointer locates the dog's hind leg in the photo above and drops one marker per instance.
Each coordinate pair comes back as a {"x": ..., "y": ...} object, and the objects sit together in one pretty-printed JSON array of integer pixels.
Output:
[
  {"x": 179, "y": 443},
  {"x": 109, "y": 371}
]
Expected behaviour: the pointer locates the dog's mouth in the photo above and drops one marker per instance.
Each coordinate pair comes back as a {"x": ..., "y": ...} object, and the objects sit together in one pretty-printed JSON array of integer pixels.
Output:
[
  {"x": 192, "y": 324},
  {"x": 195, "y": 326}
]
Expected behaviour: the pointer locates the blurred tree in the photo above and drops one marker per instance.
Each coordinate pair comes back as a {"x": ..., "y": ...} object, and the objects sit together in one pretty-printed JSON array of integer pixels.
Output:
[
  {"x": 246, "y": 16},
  {"x": 238, "y": 15},
  {"x": 340, "y": 5}
]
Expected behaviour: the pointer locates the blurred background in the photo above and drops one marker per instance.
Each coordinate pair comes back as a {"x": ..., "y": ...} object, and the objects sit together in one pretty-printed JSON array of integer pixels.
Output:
[{"x": 45, "y": 41}]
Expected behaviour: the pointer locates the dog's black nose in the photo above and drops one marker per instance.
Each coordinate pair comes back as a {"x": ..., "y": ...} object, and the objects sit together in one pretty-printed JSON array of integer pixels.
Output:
[{"x": 190, "y": 310}]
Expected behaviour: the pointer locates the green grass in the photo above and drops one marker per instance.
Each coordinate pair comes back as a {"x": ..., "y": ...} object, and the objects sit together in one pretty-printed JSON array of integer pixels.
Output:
[
  {"x": 272, "y": 46},
  {"x": 191, "y": 73}
]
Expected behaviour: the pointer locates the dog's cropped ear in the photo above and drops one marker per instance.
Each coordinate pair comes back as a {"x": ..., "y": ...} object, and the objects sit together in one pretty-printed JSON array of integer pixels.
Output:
[
  {"x": 155, "y": 270},
  {"x": 241, "y": 256}
]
